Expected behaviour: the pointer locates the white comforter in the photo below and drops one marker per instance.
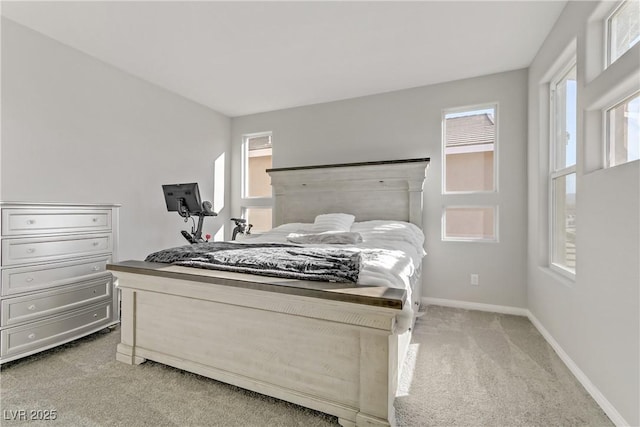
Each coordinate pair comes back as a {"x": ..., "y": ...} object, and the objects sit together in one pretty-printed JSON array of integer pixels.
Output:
[{"x": 391, "y": 253}]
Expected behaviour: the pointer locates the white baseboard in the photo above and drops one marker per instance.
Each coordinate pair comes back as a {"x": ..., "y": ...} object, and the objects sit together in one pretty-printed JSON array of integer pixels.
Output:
[
  {"x": 504, "y": 309},
  {"x": 606, "y": 406}
]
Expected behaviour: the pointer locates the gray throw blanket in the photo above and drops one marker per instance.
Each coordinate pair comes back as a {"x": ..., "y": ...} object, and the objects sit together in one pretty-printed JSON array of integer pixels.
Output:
[{"x": 267, "y": 259}]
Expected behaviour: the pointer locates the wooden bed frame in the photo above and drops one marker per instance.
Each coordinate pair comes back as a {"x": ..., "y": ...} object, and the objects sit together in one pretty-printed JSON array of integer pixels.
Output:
[{"x": 332, "y": 347}]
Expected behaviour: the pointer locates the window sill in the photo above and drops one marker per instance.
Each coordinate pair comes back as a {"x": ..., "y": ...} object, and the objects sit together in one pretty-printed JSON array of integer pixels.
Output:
[
  {"x": 566, "y": 277},
  {"x": 463, "y": 240},
  {"x": 466, "y": 193}
]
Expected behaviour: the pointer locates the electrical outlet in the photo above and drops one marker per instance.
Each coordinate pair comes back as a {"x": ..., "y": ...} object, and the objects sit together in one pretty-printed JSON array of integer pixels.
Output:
[{"x": 475, "y": 279}]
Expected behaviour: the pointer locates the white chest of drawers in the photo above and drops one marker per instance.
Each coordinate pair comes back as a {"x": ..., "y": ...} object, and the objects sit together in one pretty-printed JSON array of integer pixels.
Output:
[{"x": 54, "y": 286}]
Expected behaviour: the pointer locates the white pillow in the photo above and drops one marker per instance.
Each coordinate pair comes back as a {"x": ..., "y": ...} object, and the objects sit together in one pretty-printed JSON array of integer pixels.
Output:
[
  {"x": 326, "y": 238},
  {"x": 390, "y": 231},
  {"x": 291, "y": 227},
  {"x": 333, "y": 222}
]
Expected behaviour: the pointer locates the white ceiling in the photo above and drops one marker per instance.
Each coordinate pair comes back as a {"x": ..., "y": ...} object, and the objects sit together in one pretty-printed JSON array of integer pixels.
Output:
[{"x": 242, "y": 57}]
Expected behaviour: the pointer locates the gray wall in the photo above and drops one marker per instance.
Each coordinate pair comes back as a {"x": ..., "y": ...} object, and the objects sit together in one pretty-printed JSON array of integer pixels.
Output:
[
  {"x": 77, "y": 130},
  {"x": 407, "y": 124},
  {"x": 594, "y": 318}
]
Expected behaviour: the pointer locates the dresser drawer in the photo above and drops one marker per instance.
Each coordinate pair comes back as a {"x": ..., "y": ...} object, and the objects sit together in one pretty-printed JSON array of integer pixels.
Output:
[
  {"x": 17, "y": 221},
  {"x": 41, "y": 249},
  {"x": 19, "y": 280},
  {"x": 48, "y": 333},
  {"x": 31, "y": 307}
]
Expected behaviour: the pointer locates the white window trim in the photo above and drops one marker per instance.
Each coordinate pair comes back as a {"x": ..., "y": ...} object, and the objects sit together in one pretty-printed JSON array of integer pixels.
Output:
[
  {"x": 484, "y": 106},
  {"x": 251, "y": 202},
  {"x": 565, "y": 272},
  {"x": 608, "y": 36},
  {"x": 557, "y": 173},
  {"x": 494, "y": 239},
  {"x": 606, "y": 126},
  {"x": 558, "y": 268},
  {"x": 243, "y": 167}
]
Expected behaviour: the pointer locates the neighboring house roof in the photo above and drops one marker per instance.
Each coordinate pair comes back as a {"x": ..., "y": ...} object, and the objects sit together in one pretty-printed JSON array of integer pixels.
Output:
[
  {"x": 259, "y": 143},
  {"x": 470, "y": 130}
]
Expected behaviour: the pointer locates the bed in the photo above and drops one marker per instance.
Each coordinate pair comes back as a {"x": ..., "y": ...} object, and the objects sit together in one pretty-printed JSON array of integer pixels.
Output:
[{"x": 332, "y": 346}]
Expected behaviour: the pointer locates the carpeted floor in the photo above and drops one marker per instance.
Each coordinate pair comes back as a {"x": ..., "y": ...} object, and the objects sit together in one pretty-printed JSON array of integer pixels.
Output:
[
  {"x": 472, "y": 368},
  {"x": 465, "y": 368}
]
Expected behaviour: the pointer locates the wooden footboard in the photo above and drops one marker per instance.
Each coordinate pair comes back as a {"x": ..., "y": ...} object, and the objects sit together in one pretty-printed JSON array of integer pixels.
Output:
[{"x": 338, "y": 354}]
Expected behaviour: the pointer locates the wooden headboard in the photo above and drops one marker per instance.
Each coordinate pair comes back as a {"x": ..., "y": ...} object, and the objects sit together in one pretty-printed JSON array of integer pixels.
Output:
[{"x": 389, "y": 190}]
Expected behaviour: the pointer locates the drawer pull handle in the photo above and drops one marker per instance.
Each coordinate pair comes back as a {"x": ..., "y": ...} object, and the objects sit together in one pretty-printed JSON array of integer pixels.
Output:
[
  {"x": 31, "y": 221},
  {"x": 95, "y": 315},
  {"x": 31, "y": 336},
  {"x": 30, "y": 250},
  {"x": 31, "y": 307},
  {"x": 95, "y": 292},
  {"x": 28, "y": 279},
  {"x": 94, "y": 219},
  {"x": 96, "y": 268},
  {"x": 96, "y": 243}
]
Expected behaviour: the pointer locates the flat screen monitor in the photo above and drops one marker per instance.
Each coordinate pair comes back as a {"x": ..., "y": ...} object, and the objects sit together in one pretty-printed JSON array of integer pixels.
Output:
[{"x": 182, "y": 198}]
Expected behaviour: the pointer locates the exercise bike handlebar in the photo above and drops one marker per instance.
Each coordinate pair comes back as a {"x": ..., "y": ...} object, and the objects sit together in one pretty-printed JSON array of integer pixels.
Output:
[
  {"x": 241, "y": 227},
  {"x": 196, "y": 232}
]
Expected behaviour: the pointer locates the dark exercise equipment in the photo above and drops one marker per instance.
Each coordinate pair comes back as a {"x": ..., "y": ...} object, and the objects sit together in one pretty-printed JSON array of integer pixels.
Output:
[
  {"x": 185, "y": 199},
  {"x": 241, "y": 227}
]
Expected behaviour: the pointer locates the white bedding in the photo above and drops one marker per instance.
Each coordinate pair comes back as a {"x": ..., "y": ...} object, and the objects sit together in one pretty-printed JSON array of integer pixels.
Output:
[{"x": 391, "y": 253}]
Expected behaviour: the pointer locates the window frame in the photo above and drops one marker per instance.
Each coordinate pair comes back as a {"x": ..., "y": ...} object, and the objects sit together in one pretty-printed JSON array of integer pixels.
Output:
[
  {"x": 606, "y": 126},
  {"x": 494, "y": 239},
  {"x": 608, "y": 35},
  {"x": 246, "y": 201},
  {"x": 554, "y": 172},
  {"x": 244, "y": 189},
  {"x": 470, "y": 199},
  {"x": 469, "y": 108}
]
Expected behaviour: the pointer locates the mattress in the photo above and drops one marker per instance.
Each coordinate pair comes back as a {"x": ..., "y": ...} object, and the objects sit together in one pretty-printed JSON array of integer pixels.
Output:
[
  {"x": 391, "y": 253},
  {"x": 370, "y": 253}
]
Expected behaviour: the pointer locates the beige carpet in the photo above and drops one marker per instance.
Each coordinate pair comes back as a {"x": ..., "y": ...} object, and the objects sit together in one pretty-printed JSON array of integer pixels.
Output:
[
  {"x": 465, "y": 368},
  {"x": 471, "y": 368}
]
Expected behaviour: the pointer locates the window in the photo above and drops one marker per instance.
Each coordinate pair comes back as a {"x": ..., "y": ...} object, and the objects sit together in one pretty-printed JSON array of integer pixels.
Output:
[
  {"x": 256, "y": 183},
  {"x": 623, "y": 29},
  {"x": 257, "y": 159},
  {"x": 259, "y": 218},
  {"x": 469, "y": 140},
  {"x": 563, "y": 143},
  {"x": 623, "y": 131},
  {"x": 469, "y": 150},
  {"x": 469, "y": 223}
]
